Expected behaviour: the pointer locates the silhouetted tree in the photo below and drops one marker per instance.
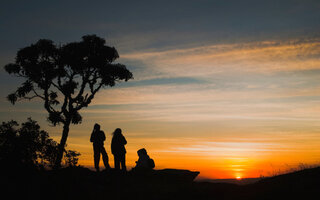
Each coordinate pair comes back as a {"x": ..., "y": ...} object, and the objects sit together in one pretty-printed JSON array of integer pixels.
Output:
[
  {"x": 49, "y": 153},
  {"x": 9, "y": 144},
  {"x": 71, "y": 158},
  {"x": 28, "y": 145},
  {"x": 66, "y": 78}
]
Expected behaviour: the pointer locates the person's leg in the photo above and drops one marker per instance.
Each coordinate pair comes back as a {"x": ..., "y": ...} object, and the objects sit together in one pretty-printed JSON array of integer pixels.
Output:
[
  {"x": 96, "y": 155},
  {"x": 123, "y": 162},
  {"x": 116, "y": 162},
  {"x": 105, "y": 158}
]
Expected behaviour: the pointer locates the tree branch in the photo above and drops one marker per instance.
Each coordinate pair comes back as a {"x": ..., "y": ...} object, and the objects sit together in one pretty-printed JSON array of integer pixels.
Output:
[
  {"x": 38, "y": 95},
  {"x": 87, "y": 101},
  {"x": 47, "y": 105},
  {"x": 85, "y": 80}
]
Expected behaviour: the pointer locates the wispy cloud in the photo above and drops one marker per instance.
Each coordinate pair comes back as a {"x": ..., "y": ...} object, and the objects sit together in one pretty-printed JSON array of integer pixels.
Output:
[
  {"x": 229, "y": 149},
  {"x": 204, "y": 61}
]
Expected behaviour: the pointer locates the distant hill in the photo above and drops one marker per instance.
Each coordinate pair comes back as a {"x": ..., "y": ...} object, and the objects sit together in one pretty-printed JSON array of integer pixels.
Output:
[
  {"x": 82, "y": 183},
  {"x": 303, "y": 184},
  {"x": 244, "y": 181}
]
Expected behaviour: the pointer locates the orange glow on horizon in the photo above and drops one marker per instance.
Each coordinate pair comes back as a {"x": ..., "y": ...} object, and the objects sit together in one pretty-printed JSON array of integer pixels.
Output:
[{"x": 238, "y": 164}]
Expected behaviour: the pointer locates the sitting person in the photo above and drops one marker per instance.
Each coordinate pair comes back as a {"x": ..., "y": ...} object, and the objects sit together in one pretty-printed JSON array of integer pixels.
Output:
[{"x": 144, "y": 162}]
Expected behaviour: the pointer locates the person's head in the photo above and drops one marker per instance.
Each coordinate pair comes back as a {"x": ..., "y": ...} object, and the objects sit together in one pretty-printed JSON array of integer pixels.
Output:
[
  {"x": 96, "y": 127},
  {"x": 118, "y": 131},
  {"x": 141, "y": 152}
]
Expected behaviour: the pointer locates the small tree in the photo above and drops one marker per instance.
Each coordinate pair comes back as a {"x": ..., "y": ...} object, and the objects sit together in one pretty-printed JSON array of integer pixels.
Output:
[
  {"x": 23, "y": 145},
  {"x": 28, "y": 145},
  {"x": 71, "y": 158},
  {"x": 66, "y": 78},
  {"x": 9, "y": 143}
]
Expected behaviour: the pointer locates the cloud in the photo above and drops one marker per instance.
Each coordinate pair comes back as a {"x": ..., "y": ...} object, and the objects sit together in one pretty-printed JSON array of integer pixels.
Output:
[
  {"x": 229, "y": 149},
  {"x": 254, "y": 57},
  {"x": 164, "y": 81}
]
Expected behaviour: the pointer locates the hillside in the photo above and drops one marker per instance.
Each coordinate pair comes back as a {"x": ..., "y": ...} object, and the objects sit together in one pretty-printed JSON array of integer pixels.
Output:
[{"x": 82, "y": 183}]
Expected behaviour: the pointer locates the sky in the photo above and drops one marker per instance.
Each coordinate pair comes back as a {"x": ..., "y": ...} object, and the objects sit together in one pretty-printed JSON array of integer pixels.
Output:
[{"x": 228, "y": 88}]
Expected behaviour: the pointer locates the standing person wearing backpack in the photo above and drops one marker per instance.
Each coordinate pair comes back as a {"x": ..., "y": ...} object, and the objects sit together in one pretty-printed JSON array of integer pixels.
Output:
[
  {"x": 118, "y": 150},
  {"x": 97, "y": 138}
]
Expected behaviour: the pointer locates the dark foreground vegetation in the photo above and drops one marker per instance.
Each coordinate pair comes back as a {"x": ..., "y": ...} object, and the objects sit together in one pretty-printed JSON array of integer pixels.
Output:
[
  {"x": 27, "y": 145},
  {"x": 82, "y": 183}
]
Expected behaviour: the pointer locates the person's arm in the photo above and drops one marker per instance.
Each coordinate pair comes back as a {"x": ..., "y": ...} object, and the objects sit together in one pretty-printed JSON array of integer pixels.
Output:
[
  {"x": 112, "y": 145},
  {"x": 124, "y": 141},
  {"x": 92, "y": 137},
  {"x": 103, "y": 136}
]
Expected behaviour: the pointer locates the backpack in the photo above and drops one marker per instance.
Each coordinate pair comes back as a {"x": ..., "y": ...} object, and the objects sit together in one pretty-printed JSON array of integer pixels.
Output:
[{"x": 151, "y": 163}]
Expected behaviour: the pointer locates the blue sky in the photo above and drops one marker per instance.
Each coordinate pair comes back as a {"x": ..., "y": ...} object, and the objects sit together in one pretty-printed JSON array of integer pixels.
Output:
[{"x": 175, "y": 21}]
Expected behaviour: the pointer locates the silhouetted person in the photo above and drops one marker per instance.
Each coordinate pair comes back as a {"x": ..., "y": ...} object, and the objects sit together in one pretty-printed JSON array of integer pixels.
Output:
[
  {"x": 144, "y": 162},
  {"x": 118, "y": 150},
  {"x": 98, "y": 137}
]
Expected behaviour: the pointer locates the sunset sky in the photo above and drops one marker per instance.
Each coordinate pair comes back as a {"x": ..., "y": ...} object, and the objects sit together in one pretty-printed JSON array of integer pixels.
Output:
[{"x": 228, "y": 88}]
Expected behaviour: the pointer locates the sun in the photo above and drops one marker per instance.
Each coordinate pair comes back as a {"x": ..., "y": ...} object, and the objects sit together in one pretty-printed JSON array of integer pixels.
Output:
[{"x": 238, "y": 178}]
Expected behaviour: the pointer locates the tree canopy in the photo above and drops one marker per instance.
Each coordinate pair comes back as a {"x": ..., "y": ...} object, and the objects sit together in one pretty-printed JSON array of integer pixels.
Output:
[{"x": 77, "y": 70}]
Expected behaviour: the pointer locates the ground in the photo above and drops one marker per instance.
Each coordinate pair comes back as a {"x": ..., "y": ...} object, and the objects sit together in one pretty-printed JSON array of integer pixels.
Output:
[{"x": 82, "y": 183}]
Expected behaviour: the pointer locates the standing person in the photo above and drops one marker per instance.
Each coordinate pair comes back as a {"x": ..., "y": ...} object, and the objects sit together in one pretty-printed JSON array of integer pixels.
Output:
[
  {"x": 118, "y": 150},
  {"x": 97, "y": 138}
]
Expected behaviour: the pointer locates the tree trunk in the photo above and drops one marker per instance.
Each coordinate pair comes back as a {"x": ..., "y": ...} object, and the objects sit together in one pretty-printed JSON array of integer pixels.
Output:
[{"x": 62, "y": 144}]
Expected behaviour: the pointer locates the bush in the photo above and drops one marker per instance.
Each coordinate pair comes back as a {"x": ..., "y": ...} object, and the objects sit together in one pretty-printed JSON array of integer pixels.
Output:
[
  {"x": 28, "y": 145},
  {"x": 71, "y": 158}
]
